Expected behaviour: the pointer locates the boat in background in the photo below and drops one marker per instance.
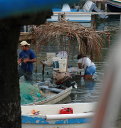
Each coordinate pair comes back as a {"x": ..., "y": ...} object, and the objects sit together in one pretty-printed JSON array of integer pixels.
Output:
[
  {"x": 114, "y": 5},
  {"x": 48, "y": 116},
  {"x": 73, "y": 15},
  {"x": 69, "y": 14}
]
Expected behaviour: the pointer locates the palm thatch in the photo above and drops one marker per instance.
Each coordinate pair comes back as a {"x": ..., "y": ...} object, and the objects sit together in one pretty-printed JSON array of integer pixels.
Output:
[{"x": 89, "y": 41}]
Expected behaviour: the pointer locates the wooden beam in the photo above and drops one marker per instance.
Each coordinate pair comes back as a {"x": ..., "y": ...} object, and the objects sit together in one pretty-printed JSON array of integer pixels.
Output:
[
  {"x": 88, "y": 13},
  {"x": 26, "y": 36}
]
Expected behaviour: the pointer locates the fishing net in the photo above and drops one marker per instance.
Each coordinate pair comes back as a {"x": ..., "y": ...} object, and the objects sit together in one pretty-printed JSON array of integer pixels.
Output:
[{"x": 30, "y": 93}]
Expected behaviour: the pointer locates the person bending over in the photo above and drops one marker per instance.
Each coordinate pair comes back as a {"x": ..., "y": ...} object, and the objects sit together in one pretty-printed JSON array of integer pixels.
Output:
[{"x": 88, "y": 65}]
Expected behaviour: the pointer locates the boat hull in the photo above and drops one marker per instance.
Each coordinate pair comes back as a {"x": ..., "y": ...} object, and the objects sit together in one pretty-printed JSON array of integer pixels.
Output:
[
  {"x": 57, "y": 126},
  {"x": 49, "y": 116},
  {"x": 57, "y": 121},
  {"x": 55, "y": 98},
  {"x": 74, "y": 123},
  {"x": 114, "y": 6},
  {"x": 72, "y": 17}
]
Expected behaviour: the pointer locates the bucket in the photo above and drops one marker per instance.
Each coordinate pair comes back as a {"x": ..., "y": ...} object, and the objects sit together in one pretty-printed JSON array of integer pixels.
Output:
[
  {"x": 66, "y": 111},
  {"x": 63, "y": 65},
  {"x": 60, "y": 64}
]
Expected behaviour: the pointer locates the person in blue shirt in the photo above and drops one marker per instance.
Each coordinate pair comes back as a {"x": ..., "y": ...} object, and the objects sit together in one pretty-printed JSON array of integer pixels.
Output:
[{"x": 26, "y": 59}]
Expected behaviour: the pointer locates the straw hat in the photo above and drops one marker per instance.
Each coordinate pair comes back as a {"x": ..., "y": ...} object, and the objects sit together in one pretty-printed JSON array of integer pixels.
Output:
[{"x": 23, "y": 43}]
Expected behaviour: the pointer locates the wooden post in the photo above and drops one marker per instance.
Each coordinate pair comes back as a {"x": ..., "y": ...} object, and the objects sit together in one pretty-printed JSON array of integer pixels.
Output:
[
  {"x": 120, "y": 20},
  {"x": 105, "y": 6},
  {"x": 43, "y": 72},
  {"x": 24, "y": 28},
  {"x": 93, "y": 22},
  {"x": 99, "y": 5},
  {"x": 79, "y": 48},
  {"x": 108, "y": 38},
  {"x": 61, "y": 16},
  {"x": 36, "y": 64},
  {"x": 91, "y": 55}
]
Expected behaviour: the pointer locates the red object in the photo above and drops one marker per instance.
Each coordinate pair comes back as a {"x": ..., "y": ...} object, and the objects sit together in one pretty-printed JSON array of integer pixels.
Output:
[{"x": 66, "y": 111}]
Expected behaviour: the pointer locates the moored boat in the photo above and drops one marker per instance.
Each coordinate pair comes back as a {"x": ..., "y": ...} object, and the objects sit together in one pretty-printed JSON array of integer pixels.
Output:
[
  {"x": 48, "y": 116},
  {"x": 41, "y": 93},
  {"x": 69, "y": 14},
  {"x": 114, "y": 5},
  {"x": 76, "y": 15},
  {"x": 52, "y": 98}
]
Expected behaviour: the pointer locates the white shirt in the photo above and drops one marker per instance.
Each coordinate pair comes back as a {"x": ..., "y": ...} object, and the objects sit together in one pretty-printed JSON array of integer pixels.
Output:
[{"x": 86, "y": 62}]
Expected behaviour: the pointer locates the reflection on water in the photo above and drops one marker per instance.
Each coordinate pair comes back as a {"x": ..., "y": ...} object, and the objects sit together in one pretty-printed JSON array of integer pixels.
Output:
[
  {"x": 84, "y": 92},
  {"x": 87, "y": 91}
]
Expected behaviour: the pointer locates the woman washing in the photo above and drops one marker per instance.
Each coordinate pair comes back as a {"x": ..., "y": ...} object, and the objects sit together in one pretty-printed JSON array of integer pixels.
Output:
[{"x": 88, "y": 65}]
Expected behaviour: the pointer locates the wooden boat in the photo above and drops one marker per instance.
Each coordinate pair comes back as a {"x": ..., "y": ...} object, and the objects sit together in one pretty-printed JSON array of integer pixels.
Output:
[
  {"x": 52, "y": 98},
  {"x": 48, "y": 116},
  {"x": 114, "y": 5}
]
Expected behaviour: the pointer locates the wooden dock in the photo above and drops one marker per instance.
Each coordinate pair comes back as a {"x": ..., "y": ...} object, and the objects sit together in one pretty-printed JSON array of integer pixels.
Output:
[
  {"x": 29, "y": 36},
  {"x": 88, "y": 13}
]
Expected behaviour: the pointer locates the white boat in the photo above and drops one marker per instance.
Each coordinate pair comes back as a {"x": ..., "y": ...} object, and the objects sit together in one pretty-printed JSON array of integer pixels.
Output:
[
  {"x": 114, "y": 5},
  {"x": 70, "y": 14},
  {"x": 52, "y": 98},
  {"x": 82, "y": 15},
  {"x": 49, "y": 117}
]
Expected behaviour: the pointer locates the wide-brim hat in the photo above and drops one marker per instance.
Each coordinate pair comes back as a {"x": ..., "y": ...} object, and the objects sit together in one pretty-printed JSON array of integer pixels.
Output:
[{"x": 23, "y": 43}]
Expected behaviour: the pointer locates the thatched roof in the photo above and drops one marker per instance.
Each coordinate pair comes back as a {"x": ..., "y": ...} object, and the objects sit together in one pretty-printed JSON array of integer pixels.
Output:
[{"x": 88, "y": 40}]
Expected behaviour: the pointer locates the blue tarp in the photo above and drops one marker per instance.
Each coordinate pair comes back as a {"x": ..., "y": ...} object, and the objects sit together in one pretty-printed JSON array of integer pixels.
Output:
[{"x": 16, "y": 7}]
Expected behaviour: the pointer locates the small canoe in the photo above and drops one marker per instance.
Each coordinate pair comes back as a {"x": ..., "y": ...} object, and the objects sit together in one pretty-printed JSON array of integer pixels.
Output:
[
  {"x": 53, "y": 98},
  {"x": 49, "y": 117}
]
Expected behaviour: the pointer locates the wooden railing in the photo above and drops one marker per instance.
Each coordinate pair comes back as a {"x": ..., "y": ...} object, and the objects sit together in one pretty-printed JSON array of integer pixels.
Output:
[{"x": 89, "y": 13}]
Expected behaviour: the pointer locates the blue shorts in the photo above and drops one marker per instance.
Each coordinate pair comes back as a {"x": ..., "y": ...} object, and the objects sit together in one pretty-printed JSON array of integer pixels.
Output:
[{"x": 90, "y": 70}]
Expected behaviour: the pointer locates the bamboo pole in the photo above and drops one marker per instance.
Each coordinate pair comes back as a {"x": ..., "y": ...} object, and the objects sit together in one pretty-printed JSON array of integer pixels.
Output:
[
  {"x": 120, "y": 20},
  {"x": 93, "y": 22},
  {"x": 36, "y": 64},
  {"x": 108, "y": 37}
]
